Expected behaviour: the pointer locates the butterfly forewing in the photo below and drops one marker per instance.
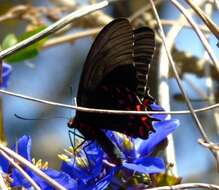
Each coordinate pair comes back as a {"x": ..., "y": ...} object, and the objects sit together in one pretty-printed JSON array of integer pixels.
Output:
[{"x": 104, "y": 56}]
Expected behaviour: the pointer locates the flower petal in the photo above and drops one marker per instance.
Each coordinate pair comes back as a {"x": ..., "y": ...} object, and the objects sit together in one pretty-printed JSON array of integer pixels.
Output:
[
  {"x": 4, "y": 164},
  {"x": 124, "y": 143},
  {"x": 6, "y": 74},
  {"x": 19, "y": 180},
  {"x": 163, "y": 129},
  {"x": 105, "y": 181},
  {"x": 156, "y": 107},
  {"x": 148, "y": 165},
  {"x": 23, "y": 147},
  {"x": 94, "y": 155},
  {"x": 62, "y": 178}
]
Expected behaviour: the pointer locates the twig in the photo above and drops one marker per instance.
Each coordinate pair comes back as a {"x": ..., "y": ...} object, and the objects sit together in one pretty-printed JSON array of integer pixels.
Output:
[
  {"x": 211, "y": 25},
  {"x": 54, "y": 27},
  {"x": 104, "y": 111},
  {"x": 209, "y": 80},
  {"x": 70, "y": 37},
  {"x": 212, "y": 146},
  {"x": 187, "y": 186},
  {"x": 201, "y": 129},
  {"x": 199, "y": 91},
  {"x": 26, "y": 163},
  {"x": 2, "y": 131},
  {"x": 143, "y": 10},
  {"x": 198, "y": 32},
  {"x": 216, "y": 3},
  {"x": 14, "y": 12},
  {"x": 172, "y": 22},
  {"x": 2, "y": 182},
  {"x": 28, "y": 178},
  {"x": 164, "y": 97},
  {"x": 177, "y": 76}
]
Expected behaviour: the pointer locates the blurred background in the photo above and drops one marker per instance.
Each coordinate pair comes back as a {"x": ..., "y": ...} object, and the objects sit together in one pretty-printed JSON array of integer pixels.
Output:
[{"x": 54, "y": 74}]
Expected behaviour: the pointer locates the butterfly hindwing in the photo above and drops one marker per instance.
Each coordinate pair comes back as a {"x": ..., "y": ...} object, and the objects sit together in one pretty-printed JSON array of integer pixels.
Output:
[{"x": 144, "y": 44}]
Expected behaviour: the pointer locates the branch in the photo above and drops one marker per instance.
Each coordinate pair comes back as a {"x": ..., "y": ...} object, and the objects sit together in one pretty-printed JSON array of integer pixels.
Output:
[
  {"x": 70, "y": 37},
  {"x": 179, "y": 82},
  {"x": 207, "y": 20},
  {"x": 198, "y": 32},
  {"x": 53, "y": 28},
  {"x": 3, "y": 186},
  {"x": 26, "y": 163},
  {"x": 20, "y": 169},
  {"x": 104, "y": 111},
  {"x": 187, "y": 186},
  {"x": 210, "y": 145},
  {"x": 90, "y": 32},
  {"x": 14, "y": 12}
]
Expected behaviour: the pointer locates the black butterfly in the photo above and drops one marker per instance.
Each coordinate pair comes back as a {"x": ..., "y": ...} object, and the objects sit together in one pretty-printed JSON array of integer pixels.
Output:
[{"x": 115, "y": 76}]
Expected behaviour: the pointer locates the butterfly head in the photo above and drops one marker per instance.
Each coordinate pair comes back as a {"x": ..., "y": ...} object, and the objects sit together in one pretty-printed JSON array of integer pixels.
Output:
[{"x": 71, "y": 123}]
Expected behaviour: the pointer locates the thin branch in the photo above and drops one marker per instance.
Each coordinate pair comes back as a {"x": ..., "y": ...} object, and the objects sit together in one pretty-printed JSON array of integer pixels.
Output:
[
  {"x": 187, "y": 186},
  {"x": 194, "y": 86},
  {"x": 26, "y": 163},
  {"x": 210, "y": 145},
  {"x": 216, "y": 3},
  {"x": 143, "y": 10},
  {"x": 198, "y": 32},
  {"x": 202, "y": 37},
  {"x": 205, "y": 18},
  {"x": 54, "y": 27},
  {"x": 14, "y": 12},
  {"x": 71, "y": 37},
  {"x": 177, "y": 76},
  {"x": 28, "y": 178},
  {"x": 172, "y": 22},
  {"x": 90, "y": 32},
  {"x": 3, "y": 186},
  {"x": 163, "y": 92},
  {"x": 104, "y": 111}
]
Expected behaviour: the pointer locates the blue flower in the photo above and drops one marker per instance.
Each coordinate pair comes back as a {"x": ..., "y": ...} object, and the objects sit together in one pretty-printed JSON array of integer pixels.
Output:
[
  {"x": 23, "y": 148},
  {"x": 88, "y": 169},
  {"x": 137, "y": 151},
  {"x": 6, "y": 72},
  {"x": 95, "y": 173}
]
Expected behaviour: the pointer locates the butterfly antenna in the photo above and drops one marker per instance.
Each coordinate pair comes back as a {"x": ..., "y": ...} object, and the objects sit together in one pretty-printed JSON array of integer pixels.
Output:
[{"x": 34, "y": 119}]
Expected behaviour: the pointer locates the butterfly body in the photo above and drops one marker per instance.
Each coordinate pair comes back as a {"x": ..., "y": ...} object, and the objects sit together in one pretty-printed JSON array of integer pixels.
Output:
[{"x": 114, "y": 76}]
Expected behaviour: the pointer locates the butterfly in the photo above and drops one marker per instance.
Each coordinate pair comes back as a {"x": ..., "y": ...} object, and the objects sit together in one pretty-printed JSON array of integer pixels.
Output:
[{"x": 115, "y": 76}]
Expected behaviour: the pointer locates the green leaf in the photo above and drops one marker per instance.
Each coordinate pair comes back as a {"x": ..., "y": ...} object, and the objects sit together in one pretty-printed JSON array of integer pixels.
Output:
[
  {"x": 9, "y": 41},
  {"x": 28, "y": 34},
  {"x": 22, "y": 55},
  {"x": 29, "y": 52}
]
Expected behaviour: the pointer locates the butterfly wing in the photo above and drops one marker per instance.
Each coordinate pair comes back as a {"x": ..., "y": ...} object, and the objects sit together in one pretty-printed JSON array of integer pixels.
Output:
[
  {"x": 119, "y": 54},
  {"x": 144, "y": 45}
]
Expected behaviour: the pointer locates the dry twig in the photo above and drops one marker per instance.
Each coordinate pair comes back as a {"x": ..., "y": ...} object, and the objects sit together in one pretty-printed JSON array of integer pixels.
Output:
[
  {"x": 187, "y": 186},
  {"x": 29, "y": 179},
  {"x": 26, "y": 163},
  {"x": 198, "y": 32},
  {"x": 53, "y": 28}
]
